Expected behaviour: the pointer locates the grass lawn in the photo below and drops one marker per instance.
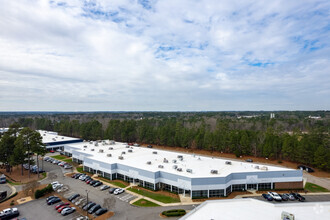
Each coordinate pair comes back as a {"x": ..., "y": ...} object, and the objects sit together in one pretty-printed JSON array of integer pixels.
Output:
[
  {"x": 44, "y": 175},
  {"x": 145, "y": 203},
  {"x": 119, "y": 184},
  {"x": 155, "y": 196},
  {"x": 314, "y": 188},
  {"x": 12, "y": 183},
  {"x": 59, "y": 157},
  {"x": 80, "y": 169}
]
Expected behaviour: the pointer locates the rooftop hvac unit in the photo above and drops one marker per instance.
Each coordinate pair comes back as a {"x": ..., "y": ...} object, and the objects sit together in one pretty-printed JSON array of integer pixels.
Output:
[
  {"x": 44, "y": 134},
  {"x": 85, "y": 146},
  {"x": 179, "y": 169},
  {"x": 92, "y": 149},
  {"x": 127, "y": 146},
  {"x": 62, "y": 137},
  {"x": 189, "y": 170},
  {"x": 228, "y": 162},
  {"x": 136, "y": 145},
  {"x": 180, "y": 156},
  {"x": 175, "y": 166},
  {"x": 130, "y": 151},
  {"x": 96, "y": 144},
  {"x": 109, "y": 155},
  {"x": 121, "y": 158},
  {"x": 100, "y": 141},
  {"x": 287, "y": 216},
  {"x": 214, "y": 171},
  {"x": 263, "y": 168},
  {"x": 123, "y": 152},
  {"x": 154, "y": 152},
  {"x": 91, "y": 142},
  {"x": 256, "y": 167},
  {"x": 160, "y": 166},
  {"x": 174, "y": 161},
  {"x": 100, "y": 151},
  {"x": 149, "y": 162},
  {"x": 165, "y": 160},
  {"x": 110, "y": 148}
]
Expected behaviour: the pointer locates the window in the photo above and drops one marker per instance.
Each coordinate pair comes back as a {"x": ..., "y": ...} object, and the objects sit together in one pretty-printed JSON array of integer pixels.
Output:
[
  {"x": 199, "y": 194},
  {"x": 264, "y": 186},
  {"x": 228, "y": 190},
  {"x": 216, "y": 193},
  {"x": 238, "y": 187}
]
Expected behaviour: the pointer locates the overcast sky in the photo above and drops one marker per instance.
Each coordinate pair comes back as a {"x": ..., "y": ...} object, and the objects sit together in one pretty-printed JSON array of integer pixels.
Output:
[{"x": 164, "y": 55}]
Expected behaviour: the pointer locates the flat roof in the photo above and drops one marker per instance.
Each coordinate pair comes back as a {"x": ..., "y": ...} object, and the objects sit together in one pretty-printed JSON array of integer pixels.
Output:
[
  {"x": 232, "y": 209},
  {"x": 52, "y": 137},
  {"x": 200, "y": 166}
]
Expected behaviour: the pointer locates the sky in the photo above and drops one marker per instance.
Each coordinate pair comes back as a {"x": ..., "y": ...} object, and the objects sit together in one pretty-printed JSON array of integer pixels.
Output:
[{"x": 164, "y": 55}]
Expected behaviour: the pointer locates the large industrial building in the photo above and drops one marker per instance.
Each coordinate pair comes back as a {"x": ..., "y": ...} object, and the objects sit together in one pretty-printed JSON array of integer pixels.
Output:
[
  {"x": 53, "y": 141},
  {"x": 189, "y": 174}
]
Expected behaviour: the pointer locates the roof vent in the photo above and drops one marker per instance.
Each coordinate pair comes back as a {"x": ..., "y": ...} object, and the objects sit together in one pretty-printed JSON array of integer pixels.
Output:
[
  {"x": 110, "y": 148},
  {"x": 263, "y": 168},
  {"x": 175, "y": 166},
  {"x": 62, "y": 137},
  {"x": 149, "y": 162},
  {"x": 189, "y": 170},
  {"x": 109, "y": 155},
  {"x": 123, "y": 152},
  {"x": 136, "y": 145},
  {"x": 121, "y": 158},
  {"x": 180, "y": 156},
  {"x": 228, "y": 162},
  {"x": 101, "y": 151},
  {"x": 92, "y": 149},
  {"x": 91, "y": 142},
  {"x": 179, "y": 169},
  {"x": 96, "y": 144},
  {"x": 85, "y": 146},
  {"x": 130, "y": 151},
  {"x": 214, "y": 171},
  {"x": 165, "y": 160},
  {"x": 127, "y": 146},
  {"x": 174, "y": 161},
  {"x": 256, "y": 167},
  {"x": 160, "y": 166},
  {"x": 154, "y": 152}
]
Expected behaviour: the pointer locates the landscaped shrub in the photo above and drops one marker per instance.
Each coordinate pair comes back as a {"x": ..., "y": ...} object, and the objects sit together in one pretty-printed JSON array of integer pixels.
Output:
[
  {"x": 174, "y": 212},
  {"x": 44, "y": 191}
]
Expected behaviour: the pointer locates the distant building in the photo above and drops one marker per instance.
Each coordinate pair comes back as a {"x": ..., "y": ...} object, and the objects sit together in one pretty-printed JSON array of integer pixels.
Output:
[
  {"x": 272, "y": 115},
  {"x": 314, "y": 117},
  {"x": 53, "y": 141}
]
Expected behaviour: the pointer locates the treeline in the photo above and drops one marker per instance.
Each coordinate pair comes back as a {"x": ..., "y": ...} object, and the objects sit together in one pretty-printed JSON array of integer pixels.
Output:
[{"x": 305, "y": 141}]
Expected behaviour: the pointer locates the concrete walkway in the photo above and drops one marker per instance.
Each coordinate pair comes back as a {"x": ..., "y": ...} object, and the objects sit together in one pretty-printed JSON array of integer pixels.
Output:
[{"x": 321, "y": 181}]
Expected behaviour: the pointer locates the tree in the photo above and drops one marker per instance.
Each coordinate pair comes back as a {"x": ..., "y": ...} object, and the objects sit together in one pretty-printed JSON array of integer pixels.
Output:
[{"x": 7, "y": 145}]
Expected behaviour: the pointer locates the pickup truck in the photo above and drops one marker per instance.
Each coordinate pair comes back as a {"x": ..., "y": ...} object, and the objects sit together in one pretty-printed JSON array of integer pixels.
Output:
[{"x": 9, "y": 213}]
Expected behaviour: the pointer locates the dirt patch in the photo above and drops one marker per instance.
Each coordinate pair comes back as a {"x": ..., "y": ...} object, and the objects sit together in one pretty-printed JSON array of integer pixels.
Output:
[
  {"x": 288, "y": 164},
  {"x": 231, "y": 196},
  {"x": 16, "y": 175}
]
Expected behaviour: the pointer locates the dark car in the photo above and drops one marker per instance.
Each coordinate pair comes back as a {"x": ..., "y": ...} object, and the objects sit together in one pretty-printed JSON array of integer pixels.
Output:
[
  {"x": 101, "y": 211},
  {"x": 78, "y": 175},
  {"x": 94, "y": 208},
  {"x": 50, "y": 197},
  {"x": 267, "y": 197},
  {"x": 112, "y": 190},
  {"x": 99, "y": 183},
  {"x": 249, "y": 160},
  {"x": 90, "y": 205},
  {"x": 149, "y": 146},
  {"x": 301, "y": 167},
  {"x": 85, "y": 206},
  {"x": 73, "y": 197},
  {"x": 309, "y": 170},
  {"x": 298, "y": 197},
  {"x": 92, "y": 182},
  {"x": 53, "y": 201},
  {"x": 284, "y": 197}
]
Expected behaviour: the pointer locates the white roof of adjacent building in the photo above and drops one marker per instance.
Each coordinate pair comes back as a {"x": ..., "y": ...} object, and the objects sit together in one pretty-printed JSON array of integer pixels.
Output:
[
  {"x": 3, "y": 130},
  {"x": 140, "y": 157},
  {"x": 232, "y": 209},
  {"x": 53, "y": 137}
]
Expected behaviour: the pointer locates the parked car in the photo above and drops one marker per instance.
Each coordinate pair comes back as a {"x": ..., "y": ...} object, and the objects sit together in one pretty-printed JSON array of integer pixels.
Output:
[
  {"x": 118, "y": 191},
  {"x": 84, "y": 207},
  {"x": 68, "y": 211},
  {"x": 298, "y": 197},
  {"x": 249, "y": 160},
  {"x": 78, "y": 175},
  {"x": 50, "y": 197},
  {"x": 89, "y": 205},
  {"x": 98, "y": 183},
  {"x": 284, "y": 197},
  {"x": 149, "y": 146},
  {"x": 94, "y": 209},
  {"x": 58, "y": 150},
  {"x": 111, "y": 190},
  {"x": 275, "y": 196},
  {"x": 53, "y": 201},
  {"x": 267, "y": 197},
  {"x": 59, "y": 210},
  {"x": 89, "y": 181},
  {"x": 61, "y": 205},
  {"x": 104, "y": 187},
  {"x": 101, "y": 211},
  {"x": 67, "y": 166},
  {"x": 81, "y": 200},
  {"x": 52, "y": 151},
  {"x": 309, "y": 170},
  {"x": 92, "y": 182},
  {"x": 9, "y": 213},
  {"x": 73, "y": 197},
  {"x": 291, "y": 197},
  {"x": 301, "y": 167}
]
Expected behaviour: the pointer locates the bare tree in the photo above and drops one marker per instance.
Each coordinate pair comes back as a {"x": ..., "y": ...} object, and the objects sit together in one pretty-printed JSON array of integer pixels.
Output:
[{"x": 30, "y": 187}]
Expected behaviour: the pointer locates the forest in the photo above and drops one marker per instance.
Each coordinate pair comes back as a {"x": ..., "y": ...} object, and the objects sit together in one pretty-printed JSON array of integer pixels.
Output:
[{"x": 291, "y": 136}]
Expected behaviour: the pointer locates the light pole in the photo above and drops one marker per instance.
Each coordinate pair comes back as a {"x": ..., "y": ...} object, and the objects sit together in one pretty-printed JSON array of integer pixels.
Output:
[{"x": 87, "y": 191}]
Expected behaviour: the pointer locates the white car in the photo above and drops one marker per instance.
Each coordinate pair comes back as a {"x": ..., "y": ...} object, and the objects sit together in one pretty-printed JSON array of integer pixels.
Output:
[
  {"x": 275, "y": 196},
  {"x": 67, "y": 211},
  {"x": 118, "y": 191}
]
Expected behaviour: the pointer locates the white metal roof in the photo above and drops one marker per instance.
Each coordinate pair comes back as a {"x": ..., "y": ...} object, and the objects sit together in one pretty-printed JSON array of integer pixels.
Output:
[
  {"x": 201, "y": 166},
  {"x": 53, "y": 137},
  {"x": 233, "y": 209}
]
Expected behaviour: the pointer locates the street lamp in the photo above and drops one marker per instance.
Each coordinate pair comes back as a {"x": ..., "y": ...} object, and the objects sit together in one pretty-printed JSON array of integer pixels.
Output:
[{"x": 87, "y": 191}]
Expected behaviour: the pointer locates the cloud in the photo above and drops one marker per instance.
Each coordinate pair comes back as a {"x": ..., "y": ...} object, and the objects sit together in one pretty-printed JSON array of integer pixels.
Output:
[{"x": 164, "y": 55}]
